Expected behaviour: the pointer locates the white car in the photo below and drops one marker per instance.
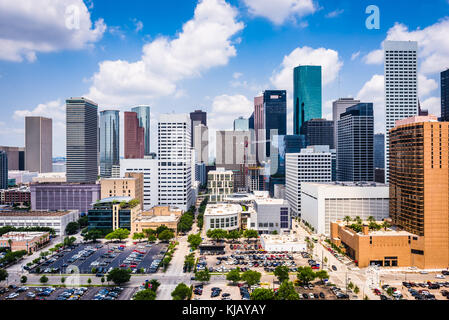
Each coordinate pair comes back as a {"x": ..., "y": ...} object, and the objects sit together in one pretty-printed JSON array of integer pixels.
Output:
[
  {"x": 440, "y": 276},
  {"x": 424, "y": 272},
  {"x": 12, "y": 296}
]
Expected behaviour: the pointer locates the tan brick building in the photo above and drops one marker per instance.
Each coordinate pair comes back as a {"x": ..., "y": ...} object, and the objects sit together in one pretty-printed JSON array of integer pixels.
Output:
[
  {"x": 130, "y": 186},
  {"x": 28, "y": 241},
  {"x": 155, "y": 218},
  {"x": 419, "y": 187}
]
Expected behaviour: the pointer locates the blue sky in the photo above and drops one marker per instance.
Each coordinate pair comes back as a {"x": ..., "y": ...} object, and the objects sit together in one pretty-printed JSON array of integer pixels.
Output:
[{"x": 177, "y": 56}]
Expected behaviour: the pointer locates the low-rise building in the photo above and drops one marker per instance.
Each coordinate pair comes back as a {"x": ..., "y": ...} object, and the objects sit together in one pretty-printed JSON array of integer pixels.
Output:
[
  {"x": 324, "y": 203},
  {"x": 155, "y": 218},
  {"x": 57, "y": 220},
  {"x": 270, "y": 215},
  {"x": 387, "y": 248},
  {"x": 50, "y": 177},
  {"x": 222, "y": 216},
  {"x": 220, "y": 183},
  {"x": 129, "y": 186},
  {"x": 283, "y": 243},
  {"x": 15, "y": 196},
  {"x": 28, "y": 241}
]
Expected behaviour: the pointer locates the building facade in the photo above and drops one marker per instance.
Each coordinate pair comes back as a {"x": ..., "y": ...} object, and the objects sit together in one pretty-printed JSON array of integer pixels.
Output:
[
  {"x": 144, "y": 117},
  {"x": 64, "y": 196},
  {"x": 109, "y": 141},
  {"x": 26, "y": 241},
  {"x": 3, "y": 170},
  {"x": 307, "y": 95},
  {"x": 82, "y": 140},
  {"x": 196, "y": 118},
  {"x": 222, "y": 216},
  {"x": 241, "y": 124},
  {"x": 338, "y": 108},
  {"x": 313, "y": 164},
  {"x": 16, "y": 157},
  {"x": 201, "y": 144},
  {"x": 270, "y": 215},
  {"x": 419, "y": 187},
  {"x": 155, "y": 218},
  {"x": 319, "y": 132},
  {"x": 129, "y": 186},
  {"x": 355, "y": 154},
  {"x": 134, "y": 137},
  {"x": 401, "y": 86},
  {"x": 220, "y": 183},
  {"x": 15, "y": 196},
  {"x": 112, "y": 213},
  {"x": 38, "y": 144}
]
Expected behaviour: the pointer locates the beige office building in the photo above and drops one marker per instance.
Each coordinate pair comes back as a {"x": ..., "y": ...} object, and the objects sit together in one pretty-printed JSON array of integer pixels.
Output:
[
  {"x": 38, "y": 144},
  {"x": 130, "y": 186}
]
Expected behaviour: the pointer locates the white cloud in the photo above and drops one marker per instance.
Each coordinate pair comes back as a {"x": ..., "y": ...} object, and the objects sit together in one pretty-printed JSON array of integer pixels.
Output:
[
  {"x": 433, "y": 44},
  {"x": 355, "y": 55},
  {"x": 374, "y": 57},
  {"x": 204, "y": 42},
  {"x": 374, "y": 91},
  {"x": 28, "y": 27},
  {"x": 280, "y": 10},
  {"x": 138, "y": 24},
  {"x": 237, "y": 75},
  {"x": 433, "y": 105},
  {"x": 328, "y": 59},
  {"x": 335, "y": 13},
  {"x": 426, "y": 85}
]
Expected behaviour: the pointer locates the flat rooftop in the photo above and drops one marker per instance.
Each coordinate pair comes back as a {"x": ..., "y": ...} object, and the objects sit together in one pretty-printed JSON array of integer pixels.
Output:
[
  {"x": 222, "y": 208},
  {"x": 157, "y": 219},
  {"x": 20, "y": 236},
  {"x": 348, "y": 184},
  {"x": 280, "y": 239},
  {"x": 392, "y": 231},
  {"x": 33, "y": 213},
  {"x": 112, "y": 199},
  {"x": 261, "y": 201}
]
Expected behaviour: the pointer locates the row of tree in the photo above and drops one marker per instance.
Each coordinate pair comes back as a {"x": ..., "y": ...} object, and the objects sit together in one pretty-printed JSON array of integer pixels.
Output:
[
  {"x": 186, "y": 221},
  {"x": 219, "y": 234}
]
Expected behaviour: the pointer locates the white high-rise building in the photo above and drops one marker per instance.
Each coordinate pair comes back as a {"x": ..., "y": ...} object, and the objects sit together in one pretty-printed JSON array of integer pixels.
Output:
[
  {"x": 149, "y": 167},
  {"x": 201, "y": 144},
  {"x": 175, "y": 161},
  {"x": 313, "y": 164},
  {"x": 401, "y": 86}
]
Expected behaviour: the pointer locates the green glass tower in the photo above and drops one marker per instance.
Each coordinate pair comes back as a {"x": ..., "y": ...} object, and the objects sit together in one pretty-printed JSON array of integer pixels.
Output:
[{"x": 307, "y": 97}]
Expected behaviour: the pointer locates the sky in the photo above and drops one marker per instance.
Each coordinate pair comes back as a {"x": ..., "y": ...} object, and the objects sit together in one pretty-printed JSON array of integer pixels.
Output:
[{"x": 215, "y": 55}]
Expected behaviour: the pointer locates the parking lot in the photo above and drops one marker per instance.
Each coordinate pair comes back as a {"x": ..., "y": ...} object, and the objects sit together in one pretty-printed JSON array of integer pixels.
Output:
[
  {"x": 103, "y": 257},
  {"x": 225, "y": 292}
]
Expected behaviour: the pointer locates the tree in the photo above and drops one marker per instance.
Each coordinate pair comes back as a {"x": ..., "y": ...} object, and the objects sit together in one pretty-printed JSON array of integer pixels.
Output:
[
  {"x": 133, "y": 203},
  {"x": 358, "y": 220},
  {"x": 43, "y": 280},
  {"x": 234, "y": 234},
  {"x": 287, "y": 292},
  {"x": 149, "y": 232},
  {"x": 233, "y": 275},
  {"x": 72, "y": 228},
  {"x": 281, "y": 273},
  {"x": 262, "y": 294},
  {"x": 119, "y": 234},
  {"x": 161, "y": 229},
  {"x": 347, "y": 219},
  {"x": 350, "y": 286},
  {"x": 102, "y": 280},
  {"x": 202, "y": 276},
  {"x": 249, "y": 234},
  {"x": 305, "y": 275},
  {"x": 146, "y": 294},
  {"x": 23, "y": 279},
  {"x": 371, "y": 219},
  {"x": 386, "y": 225},
  {"x": 69, "y": 241},
  {"x": 356, "y": 290},
  {"x": 152, "y": 238},
  {"x": 92, "y": 235},
  {"x": 181, "y": 292},
  {"x": 189, "y": 262},
  {"x": 63, "y": 280},
  {"x": 322, "y": 274},
  {"x": 275, "y": 232},
  {"x": 83, "y": 221},
  {"x": 138, "y": 236},
  {"x": 251, "y": 277},
  {"x": 194, "y": 240},
  {"x": 3, "y": 274},
  {"x": 89, "y": 281},
  {"x": 119, "y": 276},
  {"x": 217, "y": 234},
  {"x": 166, "y": 235},
  {"x": 154, "y": 284}
]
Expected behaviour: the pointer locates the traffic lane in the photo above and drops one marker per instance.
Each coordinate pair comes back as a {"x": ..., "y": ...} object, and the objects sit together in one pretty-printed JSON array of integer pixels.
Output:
[{"x": 121, "y": 257}]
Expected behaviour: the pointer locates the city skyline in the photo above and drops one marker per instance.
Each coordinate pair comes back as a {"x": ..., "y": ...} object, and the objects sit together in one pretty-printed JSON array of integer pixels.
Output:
[{"x": 226, "y": 86}]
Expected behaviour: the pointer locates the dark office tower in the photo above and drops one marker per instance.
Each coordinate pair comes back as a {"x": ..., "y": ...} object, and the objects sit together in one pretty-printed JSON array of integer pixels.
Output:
[
  {"x": 251, "y": 122},
  {"x": 21, "y": 159},
  {"x": 82, "y": 140},
  {"x": 3, "y": 170},
  {"x": 445, "y": 95},
  {"x": 319, "y": 132},
  {"x": 198, "y": 117},
  {"x": 355, "y": 154},
  {"x": 307, "y": 99},
  {"x": 144, "y": 116},
  {"x": 379, "y": 151},
  {"x": 109, "y": 141},
  {"x": 134, "y": 137},
  {"x": 294, "y": 143},
  {"x": 38, "y": 144}
]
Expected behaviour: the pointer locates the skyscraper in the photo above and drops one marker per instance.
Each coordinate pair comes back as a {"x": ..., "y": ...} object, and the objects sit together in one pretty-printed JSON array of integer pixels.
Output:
[
  {"x": 241, "y": 124},
  {"x": 201, "y": 144},
  {"x": 3, "y": 170},
  {"x": 197, "y": 117},
  {"x": 319, "y": 132},
  {"x": 82, "y": 140},
  {"x": 175, "y": 163},
  {"x": 270, "y": 119},
  {"x": 38, "y": 144},
  {"x": 307, "y": 99},
  {"x": 419, "y": 187},
  {"x": 355, "y": 155},
  {"x": 379, "y": 151},
  {"x": 401, "y": 86},
  {"x": 16, "y": 157},
  {"x": 134, "y": 137},
  {"x": 445, "y": 95},
  {"x": 144, "y": 116},
  {"x": 338, "y": 107},
  {"x": 251, "y": 121},
  {"x": 109, "y": 141}
]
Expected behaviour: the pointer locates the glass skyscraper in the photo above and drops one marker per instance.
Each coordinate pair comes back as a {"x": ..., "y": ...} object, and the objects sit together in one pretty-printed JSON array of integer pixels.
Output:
[
  {"x": 109, "y": 141},
  {"x": 275, "y": 115},
  {"x": 445, "y": 95},
  {"x": 379, "y": 151},
  {"x": 3, "y": 170},
  {"x": 241, "y": 124},
  {"x": 144, "y": 116},
  {"x": 319, "y": 132},
  {"x": 307, "y": 99}
]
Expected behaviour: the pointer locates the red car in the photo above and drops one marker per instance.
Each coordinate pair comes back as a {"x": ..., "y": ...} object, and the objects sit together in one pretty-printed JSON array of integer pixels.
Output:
[
  {"x": 133, "y": 266},
  {"x": 377, "y": 292},
  {"x": 315, "y": 267},
  {"x": 123, "y": 266}
]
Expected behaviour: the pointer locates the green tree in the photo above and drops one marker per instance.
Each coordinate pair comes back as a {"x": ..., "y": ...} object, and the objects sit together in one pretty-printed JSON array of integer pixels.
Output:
[
  {"x": 234, "y": 235},
  {"x": 154, "y": 284},
  {"x": 161, "y": 229},
  {"x": 322, "y": 274},
  {"x": 72, "y": 228},
  {"x": 181, "y": 292},
  {"x": 287, "y": 292},
  {"x": 251, "y": 234},
  {"x": 63, "y": 280},
  {"x": 262, "y": 294},
  {"x": 189, "y": 262},
  {"x": 166, "y": 235},
  {"x": 194, "y": 240},
  {"x": 3, "y": 274},
  {"x": 305, "y": 275},
  {"x": 251, "y": 277},
  {"x": 138, "y": 236},
  {"x": 89, "y": 281},
  {"x": 119, "y": 276},
  {"x": 386, "y": 225},
  {"x": 148, "y": 232},
  {"x": 356, "y": 290},
  {"x": 281, "y": 273},
  {"x": 92, "y": 235},
  {"x": 233, "y": 276},
  {"x": 102, "y": 280},
  {"x": 83, "y": 221},
  {"x": 146, "y": 294},
  {"x": 202, "y": 276},
  {"x": 347, "y": 219},
  {"x": 371, "y": 219},
  {"x": 152, "y": 238},
  {"x": 43, "y": 280},
  {"x": 350, "y": 286},
  {"x": 69, "y": 241},
  {"x": 23, "y": 279}
]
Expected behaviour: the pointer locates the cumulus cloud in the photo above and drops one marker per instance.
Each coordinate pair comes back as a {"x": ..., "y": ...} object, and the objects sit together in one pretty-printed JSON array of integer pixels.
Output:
[
  {"x": 280, "y": 11},
  {"x": 374, "y": 57},
  {"x": 426, "y": 85},
  {"x": 204, "y": 42},
  {"x": 433, "y": 45},
  {"x": 374, "y": 91},
  {"x": 335, "y": 13},
  {"x": 28, "y": 27},
  {"x": 355, "y": 55},
  {"x": 433, "y": 105}
]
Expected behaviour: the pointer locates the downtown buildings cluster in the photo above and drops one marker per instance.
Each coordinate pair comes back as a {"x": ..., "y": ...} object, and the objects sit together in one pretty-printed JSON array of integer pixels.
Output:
[{"x": 324, "y": 172}]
